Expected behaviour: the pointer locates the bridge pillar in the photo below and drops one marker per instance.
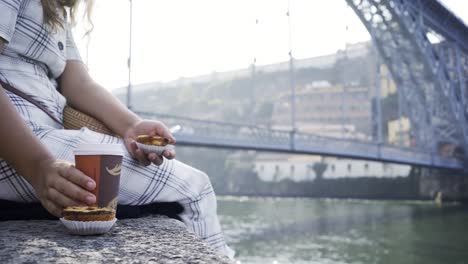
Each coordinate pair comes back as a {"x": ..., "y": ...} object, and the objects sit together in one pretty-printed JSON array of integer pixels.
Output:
[{"x": 452, "y": 184}]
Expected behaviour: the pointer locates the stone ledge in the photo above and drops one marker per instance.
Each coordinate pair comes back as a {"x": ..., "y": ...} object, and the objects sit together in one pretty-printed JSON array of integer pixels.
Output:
[{"x": 144, "y": 240}]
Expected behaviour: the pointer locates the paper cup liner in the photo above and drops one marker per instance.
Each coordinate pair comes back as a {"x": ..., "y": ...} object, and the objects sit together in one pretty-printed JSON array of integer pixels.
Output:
[
  {"x": 147, "y": 149},
  {"x": 88, "y": 227}
]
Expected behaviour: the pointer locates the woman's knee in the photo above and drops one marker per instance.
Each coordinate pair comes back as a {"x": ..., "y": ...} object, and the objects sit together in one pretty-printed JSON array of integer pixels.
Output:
[
  {"x": 190, "y": 173},
  {"x": 203, "y": 178}
]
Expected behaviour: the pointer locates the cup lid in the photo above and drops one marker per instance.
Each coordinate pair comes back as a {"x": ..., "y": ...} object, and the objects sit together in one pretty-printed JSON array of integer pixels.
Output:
[{"x": 99, "y": 149}]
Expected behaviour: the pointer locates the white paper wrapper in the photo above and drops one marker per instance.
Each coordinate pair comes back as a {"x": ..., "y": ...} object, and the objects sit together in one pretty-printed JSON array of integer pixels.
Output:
[
  {"x": 88, "y": 227},
  {"x": 153, "y": 149}
]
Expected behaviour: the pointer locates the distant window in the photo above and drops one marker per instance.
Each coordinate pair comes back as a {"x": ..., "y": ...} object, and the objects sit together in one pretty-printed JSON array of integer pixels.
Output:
[
  {"x": 292, "y": 168},
  {"x": 366, "y": 166},
  {"x": 385, "y": 167},
  {"x": 333, "y": 168},
  {"x": 349, "y": 167}
]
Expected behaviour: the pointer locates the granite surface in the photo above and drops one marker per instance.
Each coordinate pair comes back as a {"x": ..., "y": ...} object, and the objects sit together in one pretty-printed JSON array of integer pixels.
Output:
[{"x": 153, "y": 239}]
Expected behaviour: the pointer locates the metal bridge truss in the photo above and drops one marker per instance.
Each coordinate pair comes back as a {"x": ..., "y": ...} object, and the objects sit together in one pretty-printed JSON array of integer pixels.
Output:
[
  {"x": 248, "y": 137},
  {"x": 432, "y": 77}
]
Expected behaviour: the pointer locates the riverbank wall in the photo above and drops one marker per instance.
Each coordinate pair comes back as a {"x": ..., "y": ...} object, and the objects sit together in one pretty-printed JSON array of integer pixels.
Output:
[
  {"x": 450, "y": 185},
  {"x": 420, "y": 184},
  {"x": 249, "y": 184}
]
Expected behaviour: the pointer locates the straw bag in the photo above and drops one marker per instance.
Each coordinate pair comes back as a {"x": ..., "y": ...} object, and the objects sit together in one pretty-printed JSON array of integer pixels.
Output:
[{"x": 72, "y": 118}]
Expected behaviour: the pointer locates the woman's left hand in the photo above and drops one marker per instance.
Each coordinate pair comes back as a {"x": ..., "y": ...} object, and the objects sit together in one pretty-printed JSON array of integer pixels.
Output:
[{"x": 151, "y": 128}]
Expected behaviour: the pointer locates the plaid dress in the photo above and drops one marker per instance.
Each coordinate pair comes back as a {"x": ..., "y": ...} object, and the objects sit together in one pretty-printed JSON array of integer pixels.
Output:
[{"x": 33, "y": 58}]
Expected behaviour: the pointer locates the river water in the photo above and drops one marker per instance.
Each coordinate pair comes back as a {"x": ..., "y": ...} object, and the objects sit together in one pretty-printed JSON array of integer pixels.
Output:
[{"x": 302, "y": 230}]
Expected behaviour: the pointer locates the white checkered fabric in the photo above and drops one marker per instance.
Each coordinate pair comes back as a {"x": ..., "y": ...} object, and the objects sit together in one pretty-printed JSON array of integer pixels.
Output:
[{"x": 31, "y": 61}]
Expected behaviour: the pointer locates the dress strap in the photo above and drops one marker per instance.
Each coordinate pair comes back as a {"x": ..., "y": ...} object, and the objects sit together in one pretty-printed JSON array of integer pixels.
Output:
[{"x": 28, "y": 98}]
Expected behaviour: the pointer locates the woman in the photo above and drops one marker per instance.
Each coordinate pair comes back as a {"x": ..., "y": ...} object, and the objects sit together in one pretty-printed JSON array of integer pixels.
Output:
[{"x": 38, "y": 55}]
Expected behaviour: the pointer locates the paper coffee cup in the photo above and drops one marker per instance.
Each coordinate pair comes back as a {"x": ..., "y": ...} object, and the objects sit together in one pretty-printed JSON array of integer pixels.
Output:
[{"x": 103, "y": 163}]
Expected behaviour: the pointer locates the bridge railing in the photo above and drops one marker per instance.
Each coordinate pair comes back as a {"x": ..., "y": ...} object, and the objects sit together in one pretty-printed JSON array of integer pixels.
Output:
[
  {"x": 245, "y": 136},
  {"x": 229, "y": 133}
]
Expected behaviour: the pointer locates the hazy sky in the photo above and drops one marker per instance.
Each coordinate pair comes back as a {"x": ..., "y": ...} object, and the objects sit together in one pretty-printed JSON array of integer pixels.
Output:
[{"x": 178, "y": 38}]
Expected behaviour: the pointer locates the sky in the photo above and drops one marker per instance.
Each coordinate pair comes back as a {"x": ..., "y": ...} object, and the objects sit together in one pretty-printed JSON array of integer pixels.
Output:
[{"x": 184, "y": 38}]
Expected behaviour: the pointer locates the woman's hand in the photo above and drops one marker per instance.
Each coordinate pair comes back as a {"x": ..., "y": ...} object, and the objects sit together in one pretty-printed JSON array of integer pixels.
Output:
[
  {"x": 151, "y": 128},
  {"x": 59, "y": 184}
]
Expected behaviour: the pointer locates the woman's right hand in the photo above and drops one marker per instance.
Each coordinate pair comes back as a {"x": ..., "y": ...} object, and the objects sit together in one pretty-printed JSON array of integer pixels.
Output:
[{"x": 59, "y": 184}]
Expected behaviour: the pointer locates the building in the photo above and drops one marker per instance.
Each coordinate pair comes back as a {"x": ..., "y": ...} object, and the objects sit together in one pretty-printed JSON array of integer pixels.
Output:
[
  {"x": 278, "y": 167},
  {"x": 399, "y": 132},
  {"x": 340, "y": 100},
  {"x": 330, "y": 106},
  {"x": 346, "y": 168}
]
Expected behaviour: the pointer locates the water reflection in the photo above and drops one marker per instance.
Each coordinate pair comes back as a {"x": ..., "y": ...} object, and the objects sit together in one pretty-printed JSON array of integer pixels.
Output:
[{"x": 292, "y": 230}]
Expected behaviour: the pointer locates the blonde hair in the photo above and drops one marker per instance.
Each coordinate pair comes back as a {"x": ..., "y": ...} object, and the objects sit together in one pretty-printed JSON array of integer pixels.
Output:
[{"x": 53, "y": 18}]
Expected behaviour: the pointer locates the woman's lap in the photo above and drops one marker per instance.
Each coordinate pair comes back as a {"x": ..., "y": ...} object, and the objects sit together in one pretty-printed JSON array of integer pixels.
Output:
[{"x": 139, "y": 184}]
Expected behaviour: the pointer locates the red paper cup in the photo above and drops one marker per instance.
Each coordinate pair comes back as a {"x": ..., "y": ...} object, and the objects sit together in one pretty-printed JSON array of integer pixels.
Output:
[{"x": 103, "y": 163}]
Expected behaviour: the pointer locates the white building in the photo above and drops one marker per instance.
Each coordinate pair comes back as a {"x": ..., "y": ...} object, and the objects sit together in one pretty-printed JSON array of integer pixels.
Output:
[
  {"x": 277, "y": 167},
  {"x": 340, "y": 168}
]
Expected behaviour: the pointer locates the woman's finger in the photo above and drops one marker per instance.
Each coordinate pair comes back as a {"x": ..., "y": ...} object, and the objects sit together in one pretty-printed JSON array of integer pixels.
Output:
[
  {"x": 73, "y": 191},
  {"x": 138, "y": 154},
  {"x": 169, "y": 153},
  {"x": 52, "y": 208},
  {"x": 167, "y": 134},
  {"x": 77, "y": 177},
  {"x": 60, "y": 199},
  {"x": 141, "y": 157},
  {"x": 171, "y": 138},
  {"x": 156, "y": 159},
  {"x": 152, "y": 156},
  {"x": 162, "y": 130},
  {"x": 133, "y": 148}
]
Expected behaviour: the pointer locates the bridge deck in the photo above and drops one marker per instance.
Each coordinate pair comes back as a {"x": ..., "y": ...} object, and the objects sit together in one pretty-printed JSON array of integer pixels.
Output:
[{"x": 240, "y": 136}]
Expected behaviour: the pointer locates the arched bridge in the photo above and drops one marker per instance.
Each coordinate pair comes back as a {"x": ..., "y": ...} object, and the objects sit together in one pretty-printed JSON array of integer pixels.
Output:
[{"x": 432, "y": 77}]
